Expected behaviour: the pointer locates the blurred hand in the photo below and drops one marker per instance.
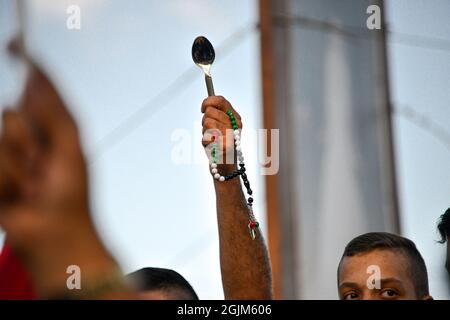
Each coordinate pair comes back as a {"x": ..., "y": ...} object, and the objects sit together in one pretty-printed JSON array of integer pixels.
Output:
[
  {"x": 42, "y": 168},
  {"x": 215, "y": 120},
  {"x": 44, "y": 204}
]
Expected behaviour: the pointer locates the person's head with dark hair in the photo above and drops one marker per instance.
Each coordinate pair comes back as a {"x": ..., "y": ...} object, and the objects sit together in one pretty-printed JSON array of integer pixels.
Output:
[
  {"x": 382, "y": 265},
  {"x": 444, "y": 226},
  {"x": 161, "y": 284},
  {"x": 444, "y": 231}
]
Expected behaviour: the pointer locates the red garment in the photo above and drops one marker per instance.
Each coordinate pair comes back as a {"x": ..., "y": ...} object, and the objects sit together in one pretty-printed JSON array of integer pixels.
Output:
[{"x": 15, "y": 282}]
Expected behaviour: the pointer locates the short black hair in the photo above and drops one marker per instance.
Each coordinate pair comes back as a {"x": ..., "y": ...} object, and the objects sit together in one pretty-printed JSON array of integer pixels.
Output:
[
  {"x": 152, "y": 279},
  {"x": 384, "y": 240},
  {"x": 444, "y": 226}
]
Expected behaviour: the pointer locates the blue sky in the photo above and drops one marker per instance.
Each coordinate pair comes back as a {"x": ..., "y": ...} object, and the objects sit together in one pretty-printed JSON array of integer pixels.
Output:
[{"x": 419, "y": 80}]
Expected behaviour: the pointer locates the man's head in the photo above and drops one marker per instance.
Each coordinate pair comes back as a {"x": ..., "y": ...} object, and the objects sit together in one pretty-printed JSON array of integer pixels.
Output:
[
  {"x": 161, "y": 284},
  {"x": 444, "y": 230},
  {"x": 382, "y": 265}
]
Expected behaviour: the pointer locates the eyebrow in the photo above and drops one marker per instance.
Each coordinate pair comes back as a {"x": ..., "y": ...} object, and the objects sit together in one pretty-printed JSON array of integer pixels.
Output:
[
  {"x": 391, "y": 280},
  {"x": 349, "y": 285},
  {"x": 382, "y": 282}
]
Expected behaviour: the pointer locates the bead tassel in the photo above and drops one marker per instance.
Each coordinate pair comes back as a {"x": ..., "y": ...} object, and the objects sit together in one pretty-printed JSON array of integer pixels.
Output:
[{"x": 253, "y": 225}]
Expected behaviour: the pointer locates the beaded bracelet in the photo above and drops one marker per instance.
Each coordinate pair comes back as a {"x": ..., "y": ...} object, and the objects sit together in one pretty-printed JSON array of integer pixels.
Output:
[{"x": 253, "y": 225}]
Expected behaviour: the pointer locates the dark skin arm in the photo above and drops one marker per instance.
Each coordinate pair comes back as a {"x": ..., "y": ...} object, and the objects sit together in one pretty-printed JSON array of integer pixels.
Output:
[{"x": 245, "y": 265}]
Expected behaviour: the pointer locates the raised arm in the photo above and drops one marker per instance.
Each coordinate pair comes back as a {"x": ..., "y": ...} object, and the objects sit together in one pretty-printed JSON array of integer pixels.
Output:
[{"x": 245, "y": 265}]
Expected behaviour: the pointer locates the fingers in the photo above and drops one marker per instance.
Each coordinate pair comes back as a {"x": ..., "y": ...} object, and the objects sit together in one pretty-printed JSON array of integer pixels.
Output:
[
  {"x": 11, "y": 178},
  {"x": 216, "y": 122},
  {"x": 14, "y": 152},
  {"x": 213, "y": 126},
  {"x": 46, "y": 111},
  {"x": 19, "y": 222},
  {"x": 220, "y": 103},
  {"x": 216, "y": 115},
  {"x": 17, "y": 136},
  {"x": 212, "y": 129}
]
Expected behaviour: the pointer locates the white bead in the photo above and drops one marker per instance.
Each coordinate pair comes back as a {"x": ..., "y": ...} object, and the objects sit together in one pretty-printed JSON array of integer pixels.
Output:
[
  {"x": 217, "y": 176},
  {"x": 214, "y": 171},
  {"x": 238, "y": 148},
  {"x": 213, "y": 165},
  {"x": 237, "y": 143},
  {"x": 236, "y": 132},
  {"x": 222, "y": 179},
  {"x": 241, "y": 159},
  {"x": 237, "y": 137}
]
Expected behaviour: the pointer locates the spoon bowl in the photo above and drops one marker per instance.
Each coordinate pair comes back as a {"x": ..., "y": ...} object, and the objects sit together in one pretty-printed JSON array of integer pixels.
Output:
[
  {"x": 203, "y": 55},
  {"x": 203, "y": 52}
]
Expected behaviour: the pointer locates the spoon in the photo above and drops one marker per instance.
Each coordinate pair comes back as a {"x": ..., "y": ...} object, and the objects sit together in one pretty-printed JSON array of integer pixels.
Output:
[{"x": 203, "y": 55}]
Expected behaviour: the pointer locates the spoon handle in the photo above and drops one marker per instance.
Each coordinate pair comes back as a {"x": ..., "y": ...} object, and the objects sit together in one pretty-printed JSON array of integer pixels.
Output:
[{"x": 209, "y": 86}]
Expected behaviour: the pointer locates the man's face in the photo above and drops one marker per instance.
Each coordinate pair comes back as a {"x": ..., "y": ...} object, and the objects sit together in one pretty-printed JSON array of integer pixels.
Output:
[{"x": 356, "y": 277}]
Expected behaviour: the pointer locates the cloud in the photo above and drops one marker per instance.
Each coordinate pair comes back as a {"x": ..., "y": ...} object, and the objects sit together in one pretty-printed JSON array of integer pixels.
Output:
[{"x": 203, "y": 12}]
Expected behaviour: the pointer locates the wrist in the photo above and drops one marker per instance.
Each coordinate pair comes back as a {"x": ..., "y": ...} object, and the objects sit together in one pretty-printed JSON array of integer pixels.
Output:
[
  {"x": 74, "y": 244},
  {"x": 227, "y": 169}
]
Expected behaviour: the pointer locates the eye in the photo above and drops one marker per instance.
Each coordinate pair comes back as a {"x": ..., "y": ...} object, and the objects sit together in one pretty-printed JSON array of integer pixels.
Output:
[
  {"x": 389, "y": 294},
  {"x": 351, "y": 296}
]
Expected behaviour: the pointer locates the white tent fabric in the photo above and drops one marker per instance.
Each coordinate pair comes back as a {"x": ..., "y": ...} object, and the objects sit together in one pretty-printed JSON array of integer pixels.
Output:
[{"x": 333, "y": 115}]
